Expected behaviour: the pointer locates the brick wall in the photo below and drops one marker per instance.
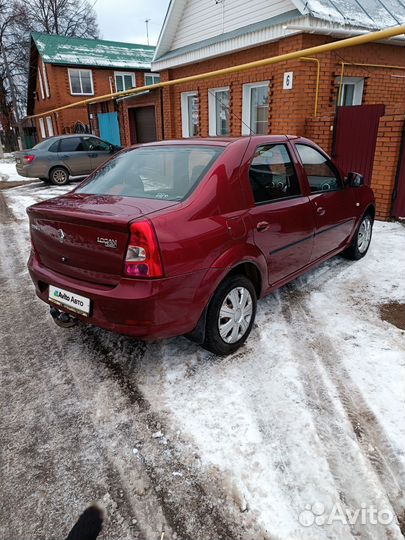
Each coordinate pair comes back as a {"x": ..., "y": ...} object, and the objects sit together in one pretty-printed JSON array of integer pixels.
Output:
[
  {"x": 58, "y": 81},
  {"x": 292, "y": 111},
  {"x": 320, "y": 130},
  {"x": 386, "y": 161}
]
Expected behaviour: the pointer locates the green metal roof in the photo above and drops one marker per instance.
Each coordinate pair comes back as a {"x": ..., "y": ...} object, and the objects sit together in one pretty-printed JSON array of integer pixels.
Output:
[{"x": 92, "y": 52}]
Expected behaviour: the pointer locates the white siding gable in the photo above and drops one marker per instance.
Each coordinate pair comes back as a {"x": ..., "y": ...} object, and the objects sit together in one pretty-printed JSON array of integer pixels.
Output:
[{"x": 203, "y": 19}]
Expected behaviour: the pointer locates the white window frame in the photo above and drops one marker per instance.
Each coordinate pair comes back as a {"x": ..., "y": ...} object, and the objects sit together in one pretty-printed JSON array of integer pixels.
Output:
[
  {"x": 45, "y": 81},
  {"x": 184, "y": 113},
  {"x": 246, "y": 101},
  {"x": 358, "y": 89},
  {"x": 153, "y": 75},
  {"x": 121, "y": 74},
  {"x": 91, "y": 81},
  {"x": 42, "y": 128},
  {"x": 41, "y": 84},
  {"x": 212, "y": 109},
  {"x": 49, "y": 126}
]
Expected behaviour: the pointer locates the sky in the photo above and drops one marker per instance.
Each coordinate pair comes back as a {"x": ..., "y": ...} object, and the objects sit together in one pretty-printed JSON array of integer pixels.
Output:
[{"x": 124, "y": 20}]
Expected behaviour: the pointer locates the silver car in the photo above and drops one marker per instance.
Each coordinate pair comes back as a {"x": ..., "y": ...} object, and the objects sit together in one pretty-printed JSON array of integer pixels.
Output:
[{"x": 57, "y": 158}]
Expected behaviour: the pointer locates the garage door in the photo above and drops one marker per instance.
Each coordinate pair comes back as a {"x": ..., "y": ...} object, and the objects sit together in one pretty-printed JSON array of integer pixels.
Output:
[{"x": 143, "y": 125}]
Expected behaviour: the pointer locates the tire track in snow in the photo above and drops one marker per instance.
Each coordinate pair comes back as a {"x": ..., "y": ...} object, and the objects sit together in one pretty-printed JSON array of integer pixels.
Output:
[
  {"x": 192, "y": 504},
  {"x": 53, "y": 469},
  {"x": 370, "y": 436},
  {"x": 182, "y": 503}
]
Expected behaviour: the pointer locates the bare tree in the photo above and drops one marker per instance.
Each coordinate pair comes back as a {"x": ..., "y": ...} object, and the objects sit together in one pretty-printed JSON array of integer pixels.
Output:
[
  {"x": 63, "y": 17},
  {"x": 18, "y": 18}
]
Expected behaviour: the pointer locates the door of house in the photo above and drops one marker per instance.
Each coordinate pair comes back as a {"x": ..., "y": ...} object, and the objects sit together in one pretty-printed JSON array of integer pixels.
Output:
[
  {"x": 109, "y": 127},
  {"x": 398, "y": 198},
  {"x": 355, "y": 138},
  {"x": 143, "y": 124}
]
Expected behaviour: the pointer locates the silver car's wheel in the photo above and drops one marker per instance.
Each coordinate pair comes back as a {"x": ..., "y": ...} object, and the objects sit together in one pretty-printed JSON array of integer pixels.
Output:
[
  {"x": 364, "y": 234},
  {"x": 235, "y": 315},
  {"x": 59, "y": 176}
]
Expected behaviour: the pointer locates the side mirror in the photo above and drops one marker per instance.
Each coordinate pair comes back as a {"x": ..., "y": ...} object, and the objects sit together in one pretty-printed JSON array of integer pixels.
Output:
[{"x": 355, "y": 179}]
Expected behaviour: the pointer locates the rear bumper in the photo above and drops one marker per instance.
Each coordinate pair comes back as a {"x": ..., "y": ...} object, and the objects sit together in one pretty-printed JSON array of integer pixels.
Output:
[
  {"x": 147, "y": 309},
  {"x": 32, "y": 170}
]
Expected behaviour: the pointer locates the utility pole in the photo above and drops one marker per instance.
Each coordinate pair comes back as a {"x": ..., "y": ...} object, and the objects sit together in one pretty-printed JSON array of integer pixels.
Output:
[{"x": 147, "y": 30}]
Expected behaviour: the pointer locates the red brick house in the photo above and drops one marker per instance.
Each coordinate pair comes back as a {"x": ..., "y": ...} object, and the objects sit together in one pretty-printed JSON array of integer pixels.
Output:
[
  {"x": 360, "y": 110},
  {"x": 66, "y": 70}
]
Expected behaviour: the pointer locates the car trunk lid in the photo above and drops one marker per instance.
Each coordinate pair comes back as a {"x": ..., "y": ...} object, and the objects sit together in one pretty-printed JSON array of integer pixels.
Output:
[{"x": 86, "y": 236}]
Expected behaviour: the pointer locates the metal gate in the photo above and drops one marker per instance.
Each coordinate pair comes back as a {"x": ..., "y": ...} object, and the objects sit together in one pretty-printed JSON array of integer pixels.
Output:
[
  {"x": 355, "y": 137},
  {"x": 398, "y": 196},
  {"x": 109, "y": 127}
]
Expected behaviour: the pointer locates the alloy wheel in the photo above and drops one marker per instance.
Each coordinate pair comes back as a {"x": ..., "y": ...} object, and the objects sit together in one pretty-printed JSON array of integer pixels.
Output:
[
  {"x": 59, "y": 177},
  {"x": 364, "y": 234}
]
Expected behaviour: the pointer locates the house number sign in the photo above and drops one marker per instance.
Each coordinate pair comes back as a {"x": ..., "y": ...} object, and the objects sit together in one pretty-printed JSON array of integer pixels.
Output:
[{"x": 288, "y": 80}]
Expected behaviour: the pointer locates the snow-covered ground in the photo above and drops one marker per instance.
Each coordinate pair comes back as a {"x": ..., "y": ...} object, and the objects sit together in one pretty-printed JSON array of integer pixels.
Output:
[
  {"x": 283, "y": 440},
  {"x": 8, "y": 172}
]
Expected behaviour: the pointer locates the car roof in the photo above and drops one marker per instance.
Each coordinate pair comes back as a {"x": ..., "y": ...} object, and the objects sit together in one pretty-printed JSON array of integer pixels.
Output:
[
  {"x": 70, "y": 135},
  {"x": 219, "y": 141}
]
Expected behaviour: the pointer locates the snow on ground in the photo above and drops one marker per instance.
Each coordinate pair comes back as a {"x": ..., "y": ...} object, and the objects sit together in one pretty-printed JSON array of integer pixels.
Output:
[
  {"x": 312, "y": 410},
  {"x": 8, "y": 172},
  {"x": 19, "y": 198},
  {"x": 308, "y": 418}
]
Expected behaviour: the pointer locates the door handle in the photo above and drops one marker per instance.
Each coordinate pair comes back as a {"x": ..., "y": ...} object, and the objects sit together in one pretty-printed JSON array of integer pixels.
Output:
[
  {"x": 320, "y": 210},
  {"x": 262, "y": 226}
]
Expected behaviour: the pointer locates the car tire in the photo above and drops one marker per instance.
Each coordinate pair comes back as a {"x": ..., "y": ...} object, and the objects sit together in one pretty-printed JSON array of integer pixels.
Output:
[
  {"x": 361, "y": 239},
  {"x": 230, "y": 315},
  {"x": 59, "y": 176}
]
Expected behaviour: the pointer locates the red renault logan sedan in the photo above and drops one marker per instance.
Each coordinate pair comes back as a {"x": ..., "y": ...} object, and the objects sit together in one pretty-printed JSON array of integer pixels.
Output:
[{"x": 182, "y": 237}]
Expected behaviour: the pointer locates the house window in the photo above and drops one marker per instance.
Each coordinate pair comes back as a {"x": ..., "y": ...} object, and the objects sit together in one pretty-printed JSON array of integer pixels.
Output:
[
  {"x": 42, "y": 128},
  {"x": 351, "y": 92},
  {"x": 49, "y": 126},
  {"x": 124, "y": 81},
  {"x": 189, "y": 114},
  {"x": 255, "y": 108},
  {"x": 218, "y": 106},
  {"x": 45, "y": 81},
  {"x": 41, "y": 84},
  {"x": 151, "y": 78},
  {"x": 81, "y": 82}
]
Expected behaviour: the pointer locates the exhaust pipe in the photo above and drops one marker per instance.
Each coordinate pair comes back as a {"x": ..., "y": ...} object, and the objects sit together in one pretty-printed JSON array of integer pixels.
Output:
[{"x": 62, "y": 319}]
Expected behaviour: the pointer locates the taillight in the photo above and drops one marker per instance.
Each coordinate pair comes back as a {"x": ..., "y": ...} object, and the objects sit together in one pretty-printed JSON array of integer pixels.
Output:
[
  {"x": 29, "y": 159},
  {"x": 143, "y": 257}
]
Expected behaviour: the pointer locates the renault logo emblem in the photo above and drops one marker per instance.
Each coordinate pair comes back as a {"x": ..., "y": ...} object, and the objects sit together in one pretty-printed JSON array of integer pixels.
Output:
[{"x": 61, "y": 235}]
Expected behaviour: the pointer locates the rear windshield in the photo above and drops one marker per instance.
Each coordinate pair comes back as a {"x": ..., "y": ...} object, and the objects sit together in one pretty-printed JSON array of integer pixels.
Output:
[{"x": 159, "y": 172}]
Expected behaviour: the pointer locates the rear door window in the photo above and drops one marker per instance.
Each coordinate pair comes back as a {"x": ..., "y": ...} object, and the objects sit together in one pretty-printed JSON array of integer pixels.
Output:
[
  {"x": 321, "y": 174},
  {"x": 272, "y": 174},
  {"x": 71, "y": 144}
]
